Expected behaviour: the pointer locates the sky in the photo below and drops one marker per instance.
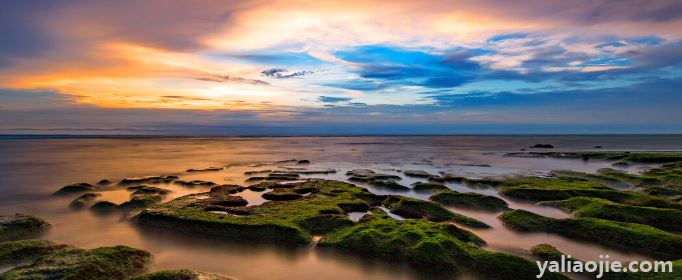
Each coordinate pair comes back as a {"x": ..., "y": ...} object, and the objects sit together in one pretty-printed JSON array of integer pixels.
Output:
[{"x": 209, "y": 67}]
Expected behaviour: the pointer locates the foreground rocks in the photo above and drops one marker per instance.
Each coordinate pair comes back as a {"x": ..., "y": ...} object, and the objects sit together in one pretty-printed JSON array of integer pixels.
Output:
[
  {"x": 40, "y": 259},
  {"x": 20, "y": 226},
  {"x": 180, "y": 274}
]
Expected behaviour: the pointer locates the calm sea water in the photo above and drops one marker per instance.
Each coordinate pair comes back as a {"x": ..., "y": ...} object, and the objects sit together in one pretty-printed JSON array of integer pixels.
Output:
[{"x": 31, "y": 169}]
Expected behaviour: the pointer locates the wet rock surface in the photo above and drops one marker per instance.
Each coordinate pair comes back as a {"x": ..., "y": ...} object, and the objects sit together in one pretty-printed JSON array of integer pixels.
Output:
[
  {"x": 75, "y": 188},
  {"x": 21, "y": 226}
]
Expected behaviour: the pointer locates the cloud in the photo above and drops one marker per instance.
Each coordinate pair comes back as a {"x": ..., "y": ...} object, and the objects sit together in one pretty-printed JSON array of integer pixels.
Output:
[
  {"x": 230, "y": 79},
  {"x": 281, "y": 73},
  {"x": 331, "y": 99}
]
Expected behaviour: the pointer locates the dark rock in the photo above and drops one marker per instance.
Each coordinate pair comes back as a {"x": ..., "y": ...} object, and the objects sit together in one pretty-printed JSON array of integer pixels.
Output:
[
  {"x": 281, "y": 194},
  {"x": 417, "y": 173},
  {"x": 149, "y": 180},
  {"x": 20, "y": 226},
  {"x": 103, "y": 207},
  {"x": 195, "y": 183},
  {"x": 598, "y": 147},
  {"x": 182, "y": 274},
  {"x": 428, "y": 187},
  {"x": 83, "y": 200},
  {"x": 104, "y": 182},
  {"x": 205, "y": 169},
  {"x": 227, "y": 189},
  {"x": 303, "y": 162},
  {"x": 144, "y": 189},
  {"x": 74, "y": 188},
  {"x": 542, "y": 146},
  {"x": 253, "y": 172}
]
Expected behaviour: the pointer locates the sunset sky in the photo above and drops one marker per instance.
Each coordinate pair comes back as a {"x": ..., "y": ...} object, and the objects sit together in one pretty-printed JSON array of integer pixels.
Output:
[{"x": 340, "y": 67}]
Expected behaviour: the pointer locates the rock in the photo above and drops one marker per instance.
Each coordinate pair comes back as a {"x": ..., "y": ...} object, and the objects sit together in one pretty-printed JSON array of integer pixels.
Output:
[
  {"x": 205, "y": 169},
  {"x": 627, "y": 236},
  {"x": 46, "y": 260},
  {"x": 227, "y": 189},
  {"x": 421, "y": 209},
  {"x": 388, "y": 184},
  {"x": 435, "y": 178},
  {"x": 253, "y": 172},
  {"x": 144, "y": 190},
  {"x": 195, "y": 183},
  {"x": 428, "y": 187},
  {"x": 598, "y": 147},
  {"x": 303, "y": 162},
  {"x": 104, "y": 182},
  {"x": 83, "y": 200},
  {"x": 220, "y": 199},
  {"x": 140, "y": 201},
  {"x": 620, "y": 164},
  {"x": 417, "y": 173},
  {"x": 281, "y": 194},
  {"x": 181, "y": 274},
  {"x": 164, "y": 179},
  {"x": 427, "y": 246},
  {"x": 470, "y": 200},
  {"x": 291, "y": 222},
  {"x": 74, "y": 188},
  {"x": 20, "y": 226},
  {"x": 546, "y": 252},
  {"x": 366, "y": 175},
  {"x": 103, "y": 207},
  {"x": 542, "y": 146}
]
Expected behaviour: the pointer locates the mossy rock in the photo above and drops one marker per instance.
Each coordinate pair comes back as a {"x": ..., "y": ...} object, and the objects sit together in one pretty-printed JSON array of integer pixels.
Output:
[
  {"x": 388, "y": 184},
  {"x": 180, "y": 274},
  {"x": 470, "y": 200},
  {"x": 282, "y": 194},
  {"x": 288, "y": 222},
  {"x": 103, "y": 207},
  {"x": 75, "y": 188},
  {"x": 194, "y": 183},
  {"x": 418, "y": 209},
  {"x": 428, "y": 187},
  {"x": 140, "y": 201},
  {"x": 367, "y": 176},
  {"x": 163, "y": 179},
  {"x": 417, "y": 173},
  {"x": 431, "y": 246},
  {"x": 662, "y": 218},
  {"x": 23, "y": 251},
  {"x": 546, "y": 252},
  {"x": 227, "y": 189},
  {"x": 45, "y": 260},
  {"x": 616, "y": 156},
  {"x": 146, "y": 190},
  {"x": 20, "y": 226},
  {"x": 628, "y": 236},
  {"x": 545, "y": 189},
  {"x": 83, "y": 200}
]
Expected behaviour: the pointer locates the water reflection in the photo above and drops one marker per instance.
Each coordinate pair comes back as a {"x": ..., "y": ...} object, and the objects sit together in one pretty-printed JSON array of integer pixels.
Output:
[{"x": 30, "y": 170}]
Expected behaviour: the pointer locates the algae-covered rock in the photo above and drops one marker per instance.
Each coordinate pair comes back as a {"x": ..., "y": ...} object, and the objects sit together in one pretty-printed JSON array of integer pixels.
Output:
[
  {"x": 628, "y": 236},
  {"x": 281, "y": 222},
  {"x": 663, "y": 218},
  {"x": 194, "y": 183},
  {"x": 470, "y": 200},
  {"x": 428, "y": 187},
  {"x": 164, "y": 179},
  {"x": 141, "y": 201},
  {"x": 145, "y": 190},
  {"x": 103, "y": 207},
  {"x": 180, "y": 274},
  {"x": 436, "y": 247},
  {"x": 282, "y": 194},
  {"x": 83, "y": 200},
  {"x": 546, "y": 252},
  {"x": 417, "y": 209},
  {"x": 20, "y": 226},
  {"x": 46, "y": 260},
  {"x": 75, "y": 188},
  {"x": 417, "y": 173}
]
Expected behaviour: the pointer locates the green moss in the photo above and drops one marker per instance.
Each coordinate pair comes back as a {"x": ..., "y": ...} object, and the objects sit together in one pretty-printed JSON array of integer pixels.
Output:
[
  {"x": 179, "y": 274},
  {"x": 436, "y": 247},
  {"x": 49, "y": 261},
  {"x": 141, "y": 201},
  {"x": 83, "y": 200},
  {"x": 145, "y": 190},
  {"x": 428, "y": 187},
  {"x": 667, "y": 219},
  {"x": 20, "y": 226},
  {"x": 470, "y": 200},
  {"x": 417, "y": 209},
  {"x": 282, "y": 222},
  {"x": 546, "y": 252},
  {"x": 17, "y": 252},
  {"x": 544, "y": 189},
  {"x": 629, "y": 236},
  {"x": 620, "y": 156}
]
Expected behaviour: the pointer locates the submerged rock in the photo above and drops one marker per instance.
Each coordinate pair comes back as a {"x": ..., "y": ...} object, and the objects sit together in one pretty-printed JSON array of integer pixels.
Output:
[
  {"x": 83, "y": 200},
  {"x": 205, "y": 169},
  {"x": 195, "y": 183},
  {"x": 253, "y": 172},
  {"x": 543, "y": 146},
  {"x": 417, "y": 173},
  {"x": 74, "y": 188},
  {"x": 20, "y": 226},
  {"x": 104, "y": 182},
  {"x": 428, "y": 187},
  {"x": 180, "y": 274},
  {"x": 140, "y": 201},
  {"x": 46, "y": 260},
  {"x": 144, "y": 189},
  {"x": 164, "y": 179},
  {"x": 103, "y": 207},
  {"x": 227, "y": 189},
  {"x": 303, "y": 162}
]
